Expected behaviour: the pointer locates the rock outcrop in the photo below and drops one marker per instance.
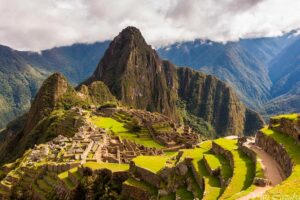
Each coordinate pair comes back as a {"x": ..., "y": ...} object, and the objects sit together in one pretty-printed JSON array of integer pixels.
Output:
[{"x": 136, "y": 75}]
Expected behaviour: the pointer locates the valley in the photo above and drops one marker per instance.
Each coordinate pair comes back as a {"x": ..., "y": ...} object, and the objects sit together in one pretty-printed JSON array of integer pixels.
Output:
[{"x": 143, "y": 128}]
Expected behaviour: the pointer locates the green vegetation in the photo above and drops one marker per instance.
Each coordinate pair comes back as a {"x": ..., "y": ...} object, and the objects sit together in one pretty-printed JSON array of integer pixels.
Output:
[
  {"x": 151, "y": 163},
  {"x": 114, "y": 167},
  {"x": 212, "y": 161},
  {"x": 119, "y": 129},
  {"x": 182, "y": 193},
  {"x": 212, "y": 183},
  {"x": 290, "y": 186},
  {"x": 197, "y": 123},
  {"x": 244, "y": 169},
  {"x": 292, "y": 116}
]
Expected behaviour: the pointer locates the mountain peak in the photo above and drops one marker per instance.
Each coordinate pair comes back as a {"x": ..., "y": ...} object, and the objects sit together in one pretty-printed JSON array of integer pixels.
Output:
[
  {"x": 46, "y": 99},
  {"x": 129, "y": 37}
]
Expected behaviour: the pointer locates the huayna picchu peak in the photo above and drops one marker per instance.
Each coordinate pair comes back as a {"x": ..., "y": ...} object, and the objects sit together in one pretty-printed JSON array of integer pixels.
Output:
[
  {"x": 142, "y": 128},
  {"x": 138, "y": 77}
]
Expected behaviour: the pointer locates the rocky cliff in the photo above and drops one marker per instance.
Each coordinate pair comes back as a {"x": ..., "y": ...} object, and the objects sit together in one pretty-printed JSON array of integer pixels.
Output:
[
  {"x": 48, "y": 117},
  {"x": 136, "y": 75}
]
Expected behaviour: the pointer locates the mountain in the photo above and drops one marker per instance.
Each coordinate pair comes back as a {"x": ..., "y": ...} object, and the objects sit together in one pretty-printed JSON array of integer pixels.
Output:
[
  {"x": 50, "y": 115},
  {"x": 22, "y": 73},
  {"x": 19, "y": 82},
  {"x": 245, "y": 64},
  {"x": 136, "y": 75},
  {"x": 284, "y": 72}
]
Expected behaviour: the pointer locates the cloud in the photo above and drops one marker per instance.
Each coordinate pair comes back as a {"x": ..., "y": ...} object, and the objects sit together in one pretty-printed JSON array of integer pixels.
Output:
[{"x": 36, "y": 24}]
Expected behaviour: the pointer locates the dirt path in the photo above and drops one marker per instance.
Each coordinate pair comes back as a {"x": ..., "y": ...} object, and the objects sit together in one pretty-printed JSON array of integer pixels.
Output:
[{"x": 272, "y": 172}]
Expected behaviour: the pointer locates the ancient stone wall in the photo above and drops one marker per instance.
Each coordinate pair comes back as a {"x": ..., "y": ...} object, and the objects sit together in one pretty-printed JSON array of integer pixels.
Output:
[
  {"x": 287, "y": 126},
  {"x": 145, "y": 175},
  {"x": 221, "y": 151},
  {"x": 277, "y": 151},
  {"x": 134, "y": 193}
]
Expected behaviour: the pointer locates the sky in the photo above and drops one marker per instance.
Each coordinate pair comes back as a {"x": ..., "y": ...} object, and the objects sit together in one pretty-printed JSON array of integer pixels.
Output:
[{"x": 41, "y": 24}]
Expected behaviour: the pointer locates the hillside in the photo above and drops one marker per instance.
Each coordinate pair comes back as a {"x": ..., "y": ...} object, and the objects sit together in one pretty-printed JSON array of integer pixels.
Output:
[
  {"x": 260, "y": 69},
  {"x": 159, "y": 86},
  {"x": 97, "y": 142},
  {"x": 22, "y": 73}
]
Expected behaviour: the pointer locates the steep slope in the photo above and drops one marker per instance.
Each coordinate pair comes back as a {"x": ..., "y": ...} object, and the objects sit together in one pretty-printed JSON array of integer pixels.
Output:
[
  {"x": 229, "y": 62},
  {"x": 285, "y": 69},
  {"x": 243, "y": 64},
  {"x": 22, "y": 73},
  {"x": 76, "y": 62},
  {"x": 215, "y": 102},
  {"x": 139, "y": 78},
  {"x": 284, "y": 72},
  {"x": 136, "y": 76},
  {"x": 42, "y": 122},
  {"x": 19, "y": 82}
]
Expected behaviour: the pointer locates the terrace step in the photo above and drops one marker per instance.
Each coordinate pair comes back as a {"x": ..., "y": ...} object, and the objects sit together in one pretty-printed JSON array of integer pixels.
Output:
[{"x": 242, "y": 165}]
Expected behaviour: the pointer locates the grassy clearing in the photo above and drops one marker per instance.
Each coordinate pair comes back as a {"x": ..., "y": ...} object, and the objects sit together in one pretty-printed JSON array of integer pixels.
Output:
[
  {"x": 289, "y": 188},
  {"x": 243, "y": 172},
  {"x": 119, "y": 129},
  {"x": 114, "y": 167},
  {"x": 151, "y": 163}
]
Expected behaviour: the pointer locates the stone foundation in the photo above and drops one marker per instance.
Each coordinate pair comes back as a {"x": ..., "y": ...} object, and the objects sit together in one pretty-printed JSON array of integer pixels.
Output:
[
  {"x": 277, "y": 151},
  {"x": 220, "y": 151}
]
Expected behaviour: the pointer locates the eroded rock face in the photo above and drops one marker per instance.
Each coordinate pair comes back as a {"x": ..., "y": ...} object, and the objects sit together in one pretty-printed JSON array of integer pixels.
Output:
[
  {"x": 46, "y": 99},
  {"x": 136, "y": 75}
]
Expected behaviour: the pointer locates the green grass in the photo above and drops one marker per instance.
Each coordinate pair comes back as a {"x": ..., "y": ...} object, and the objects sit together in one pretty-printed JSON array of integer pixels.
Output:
[
  {"x": 243, "y": 172},
  {"x": 119, "y": 129},
  {"x": 290, "y": 187},
  {"x": 292, "y": 116},
  {"x": 184, "y": 194},
  {"x": 141, "y": 185},
  {"x": 151, "y": 163},
  {"x": 212, "y": 183},
  {"x": 114, "y": 167},
  {"x": 212, "y": 161}
]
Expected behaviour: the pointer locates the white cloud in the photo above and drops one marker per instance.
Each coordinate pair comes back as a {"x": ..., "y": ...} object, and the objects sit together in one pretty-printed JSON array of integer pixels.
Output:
[{"x": 36, "y": 24}]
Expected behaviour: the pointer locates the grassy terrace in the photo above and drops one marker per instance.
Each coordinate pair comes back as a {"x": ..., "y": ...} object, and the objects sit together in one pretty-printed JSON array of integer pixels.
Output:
[
  {"x": 119, "y": 129},
  {"x": 212, "y": 161},
  {"x": 114, "y": 167},
  {"x": 292, "y": 116},
  {"x": 212, "y": 183},
  {"x": 289, "y": 188},
  {"x": 243, "y": 172},
  {"x": 151, "y": 163}
]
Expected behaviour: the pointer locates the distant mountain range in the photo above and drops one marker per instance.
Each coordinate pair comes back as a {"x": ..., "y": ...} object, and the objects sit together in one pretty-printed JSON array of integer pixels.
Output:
[
  {"x": 259, "y": 69},
  {"x": 264, "y": 71}
]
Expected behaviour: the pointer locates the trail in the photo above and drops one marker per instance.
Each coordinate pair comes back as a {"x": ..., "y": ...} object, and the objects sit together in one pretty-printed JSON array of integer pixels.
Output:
[{"x": 272, "y": 172}]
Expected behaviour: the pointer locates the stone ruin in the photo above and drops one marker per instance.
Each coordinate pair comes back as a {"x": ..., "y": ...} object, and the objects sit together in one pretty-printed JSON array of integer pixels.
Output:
[
  {"x": 169, "y": 137},
  {"x": 287, "y": 126}
]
